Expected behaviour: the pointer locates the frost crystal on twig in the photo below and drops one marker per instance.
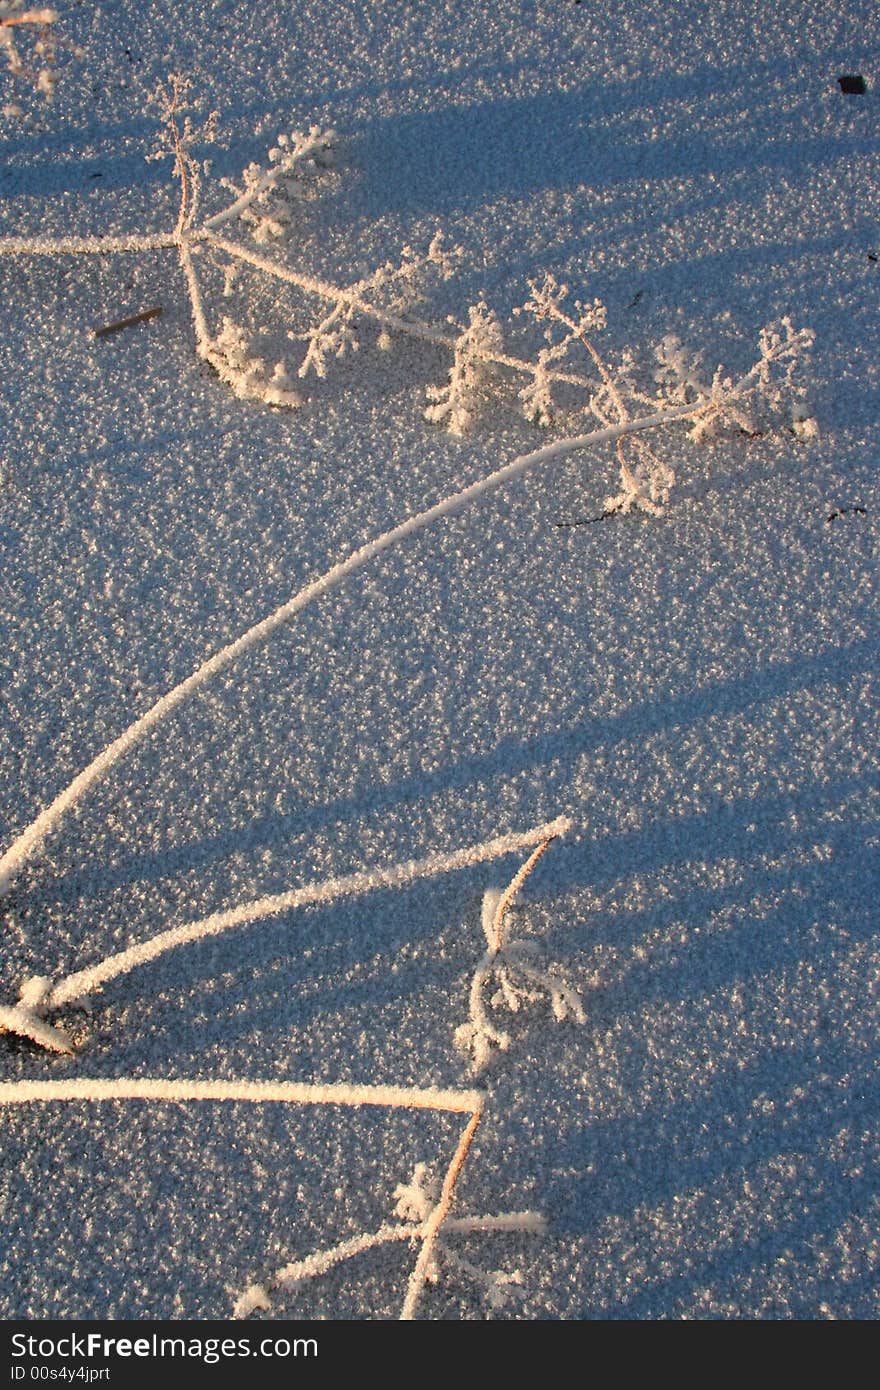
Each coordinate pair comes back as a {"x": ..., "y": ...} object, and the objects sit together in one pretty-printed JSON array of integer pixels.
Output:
[
  {"x": 546, "y": 304},
  {"x": 761, "y": 397},
  {"x": 646, "y": 482},
  {"x": 26, "y": 1017},
  {"x": 417, "y": 1198},
  {"x": 393, "y": 289},
  {"x": 459, "y": 402},
  {"x": 646, "y": 479},
  {"x": 515, "y": 969},
  {"x": 178, "y": 137},
  {"x": 497, "y": 1287},
  {"x": 422, "y": 1208},
  {"x": 232, "y": 357},
  {"x": 265, "y": 202}
]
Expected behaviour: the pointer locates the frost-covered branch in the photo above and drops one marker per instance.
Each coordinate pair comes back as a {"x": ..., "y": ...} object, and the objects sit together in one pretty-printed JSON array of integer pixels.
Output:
[
  {"x": 646, "y": 479},
  {"x": 434, "y": 1221},
  {"x": 257, "y": 1297},
  {"x": 383, "y": 296},
  {"x": 39, "y": 995},
  {"x": 514, "y": 967},
  {"x": 87, "y": 245},
  {"x": 387, "y": 296},
  {"x": 160, "y": 1088},
  {"x": 460, "y": 401},
  {"x": 289, "y": 152},
  {"x": 546, "y": 304}
]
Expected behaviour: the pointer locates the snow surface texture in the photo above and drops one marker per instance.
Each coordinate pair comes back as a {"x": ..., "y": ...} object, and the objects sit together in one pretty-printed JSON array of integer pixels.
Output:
[{"x": 696, "y": 691}]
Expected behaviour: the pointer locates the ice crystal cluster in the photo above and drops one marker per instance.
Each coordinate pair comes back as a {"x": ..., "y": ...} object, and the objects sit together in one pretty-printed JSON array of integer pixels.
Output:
[{"x": 458, "y": 403}]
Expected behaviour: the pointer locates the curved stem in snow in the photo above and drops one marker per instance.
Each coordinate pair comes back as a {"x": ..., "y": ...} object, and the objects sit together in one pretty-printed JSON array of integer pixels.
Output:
[
  {"x": 30, "y": 840},
  {"x": 510, "y": 892}
]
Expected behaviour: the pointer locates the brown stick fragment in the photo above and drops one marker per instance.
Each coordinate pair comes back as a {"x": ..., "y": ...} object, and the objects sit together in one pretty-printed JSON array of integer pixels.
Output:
[
  {"x": 128, "y": 322},
  {"x": 45, "y": 16}
]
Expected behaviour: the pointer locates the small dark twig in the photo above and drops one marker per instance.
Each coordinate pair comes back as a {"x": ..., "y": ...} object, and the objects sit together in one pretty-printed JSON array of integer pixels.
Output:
[
  {"x": 119, "y": 324},
  {"x": 586, "y": 520},
  {"x": 846, "y": 511}
]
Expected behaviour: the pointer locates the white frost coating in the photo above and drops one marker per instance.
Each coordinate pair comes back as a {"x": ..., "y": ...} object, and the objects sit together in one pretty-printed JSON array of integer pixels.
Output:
[
  {"x": 85, "y": 245},
  {"x": 437, "y": 1217},
  {"x": 254, "y": 1299},
  {"x": 26, "y": 1018},
  {"x": 413, "y": 328},
  {"x": 520, "y": 979},
  {"x": 32, "y": 837},
  {"x": 200, "y": 321},
  {"x": 257, "y": 1296},
  {"x": 323, "y": 1260},
  {"x": 84, "y": 982},
  {"x": 305, "y": 146},
  {"x": 476, "y": 348},
  {"x": 532, "y": 1222},
  {"x": 256, "y": 1092},
  {"x": 27, "y": 1024}
]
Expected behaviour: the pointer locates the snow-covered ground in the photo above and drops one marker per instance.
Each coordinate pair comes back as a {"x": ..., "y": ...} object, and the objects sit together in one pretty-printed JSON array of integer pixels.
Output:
[{"x": 697, "y": 692}]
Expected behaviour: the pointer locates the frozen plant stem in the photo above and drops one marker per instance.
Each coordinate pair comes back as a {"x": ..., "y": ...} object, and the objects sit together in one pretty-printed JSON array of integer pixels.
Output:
[
  {"x": 494, "y": 931},
  {"x": 44, "y": 16},
  {"x": 322, "y": 289},
  {"x": 313, "y": 1266},
  {"x": 474, "y": 349},
  {"x": 512, "y": 963},
  {"x": 42, "y": 20},
  {"x": 231, "y": 360},
  {"x": 29, "y": 841},
  {"x": 437, "y": 1217},
  {"x": 470, "y": 1103},
  {"x": 39, "y": 995},
  {"x": 496, "y": 940},
  {"x": 151, "y": 1088}
]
